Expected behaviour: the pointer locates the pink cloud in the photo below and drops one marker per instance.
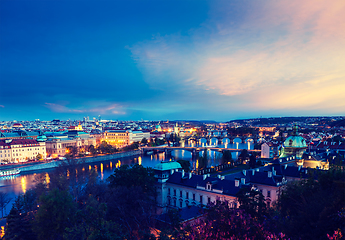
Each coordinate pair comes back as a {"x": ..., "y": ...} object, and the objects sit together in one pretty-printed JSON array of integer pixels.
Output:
[
  {"x": 283, "y": 54},
  {"x": 112, "y": 108},
  {"x": 2, "y": 106}
]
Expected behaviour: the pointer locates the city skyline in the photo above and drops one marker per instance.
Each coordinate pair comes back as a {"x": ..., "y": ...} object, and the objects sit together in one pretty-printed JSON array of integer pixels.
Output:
[{"x": 154, "y": 60}]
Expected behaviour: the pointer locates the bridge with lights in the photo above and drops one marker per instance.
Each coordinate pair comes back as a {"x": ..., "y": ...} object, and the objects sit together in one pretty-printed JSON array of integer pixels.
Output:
[{"x": 194, "y": 150}]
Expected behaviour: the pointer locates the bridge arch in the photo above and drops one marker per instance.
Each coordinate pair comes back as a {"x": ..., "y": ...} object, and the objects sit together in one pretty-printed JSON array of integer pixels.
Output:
[
  {"x": 203, "y": 141},
  {"x": 226, "y": 140},
  {"x": 237, "y": 140},
  {"x": 214, "y": 141}
]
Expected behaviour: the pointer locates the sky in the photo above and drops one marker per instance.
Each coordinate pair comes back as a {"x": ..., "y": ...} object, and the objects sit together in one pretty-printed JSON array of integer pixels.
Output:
[{"x": 171, "y": 59}]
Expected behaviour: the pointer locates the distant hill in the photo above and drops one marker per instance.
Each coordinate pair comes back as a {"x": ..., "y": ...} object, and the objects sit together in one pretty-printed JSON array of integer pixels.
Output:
[
  {"x": 284, "y": 120},
  {"x": 196, "y": 121},
  {"x": 339, "y": 123}
]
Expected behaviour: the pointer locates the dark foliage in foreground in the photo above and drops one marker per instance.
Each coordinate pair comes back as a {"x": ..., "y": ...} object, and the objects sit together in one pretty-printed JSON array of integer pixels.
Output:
[{"x": 75, "y": 205}]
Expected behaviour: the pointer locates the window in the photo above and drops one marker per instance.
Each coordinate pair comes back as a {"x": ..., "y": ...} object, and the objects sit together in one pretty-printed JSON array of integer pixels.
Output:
[
  {"x": 168, "y": 191},
  {"x": 174, "y": 192},
  {"x": 187, "y": 195},
  {"x": 200, "y": 199},
  {"x": 269, "y": 194},
  {"x": 208, "y": 200},
  {"x": 194, "y": 196},
  {"x": 180, "y": 193}
]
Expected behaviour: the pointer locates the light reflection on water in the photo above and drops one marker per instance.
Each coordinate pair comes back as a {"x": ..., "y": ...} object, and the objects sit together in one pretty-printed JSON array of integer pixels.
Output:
[{"x": 15, "y": 185}]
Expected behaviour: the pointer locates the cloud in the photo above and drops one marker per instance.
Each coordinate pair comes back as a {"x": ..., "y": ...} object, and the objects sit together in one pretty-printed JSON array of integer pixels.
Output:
[
  {"x": 272, "y": 55},
  {"x": 2, "y": 106},
  {"x": 104, "y": 108}
]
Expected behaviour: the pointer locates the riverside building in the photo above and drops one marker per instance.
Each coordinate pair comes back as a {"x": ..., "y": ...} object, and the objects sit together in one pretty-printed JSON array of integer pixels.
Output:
[{"x": 21, "y": 150}]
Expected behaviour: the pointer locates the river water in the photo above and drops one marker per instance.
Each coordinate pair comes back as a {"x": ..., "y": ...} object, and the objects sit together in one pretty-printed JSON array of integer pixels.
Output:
[{"x": 16, "y": 185}]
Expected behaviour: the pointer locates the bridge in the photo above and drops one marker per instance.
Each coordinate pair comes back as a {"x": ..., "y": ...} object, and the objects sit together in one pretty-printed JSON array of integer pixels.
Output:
[
  {"x": 194, "y": 150},
  {"x": 243, "y": 138}
]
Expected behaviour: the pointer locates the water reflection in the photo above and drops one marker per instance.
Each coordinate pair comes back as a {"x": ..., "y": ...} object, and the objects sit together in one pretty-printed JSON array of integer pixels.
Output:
[
  {"x": 102, "y": 175},
  {"x": 23, "y": 184},
  {"x": 15, "y": 185},
  {"x": 48, "y": 178}
]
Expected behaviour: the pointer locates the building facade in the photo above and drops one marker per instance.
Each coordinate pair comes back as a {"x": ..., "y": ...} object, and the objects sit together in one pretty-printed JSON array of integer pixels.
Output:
[
  {"x": 117, "y": 138},
  {"x": 269, "y": 150},
  {"x": 21, "y": 150}
]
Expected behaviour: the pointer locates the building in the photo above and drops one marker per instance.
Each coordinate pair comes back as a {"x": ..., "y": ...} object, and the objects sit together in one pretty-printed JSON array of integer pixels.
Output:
[
  {"x": 294, "y": 145},
  {"x": 178, "y": 189},
  {"x": 57, "y": 143},
  {"x": 137, "y": 136},
  {"x": 267, "y": 181},
  {"x": 21, "y": 150},
  {"x": 269, "y": 150},
  {"x": 117, "y": 138}
]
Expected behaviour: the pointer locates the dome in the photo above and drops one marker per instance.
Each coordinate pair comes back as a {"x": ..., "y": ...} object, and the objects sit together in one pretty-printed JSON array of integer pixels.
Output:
[
  {"x": 295, "y": 142},
  {"x": 294, "y": 145},
  {"x": 168, "y": 165}
]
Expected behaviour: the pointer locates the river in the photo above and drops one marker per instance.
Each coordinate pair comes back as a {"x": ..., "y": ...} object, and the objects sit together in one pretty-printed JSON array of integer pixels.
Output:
[{"x": 16, "y": 185}]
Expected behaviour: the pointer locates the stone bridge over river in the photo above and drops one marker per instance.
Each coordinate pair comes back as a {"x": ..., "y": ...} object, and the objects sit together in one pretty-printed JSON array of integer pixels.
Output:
[{"x": 194, "y": 150}]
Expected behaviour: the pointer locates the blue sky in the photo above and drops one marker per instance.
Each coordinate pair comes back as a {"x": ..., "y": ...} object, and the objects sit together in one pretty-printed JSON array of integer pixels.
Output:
[{"x": 156, "y": 60}]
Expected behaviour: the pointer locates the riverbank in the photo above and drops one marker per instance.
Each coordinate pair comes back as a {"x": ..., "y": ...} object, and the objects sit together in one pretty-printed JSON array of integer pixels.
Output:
[{"x": 53, "y": 164}]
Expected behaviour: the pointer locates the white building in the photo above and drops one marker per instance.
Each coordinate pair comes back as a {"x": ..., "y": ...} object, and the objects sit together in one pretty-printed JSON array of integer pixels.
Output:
[
  {"x": 269, "y": 150},
  {"x": 21, "y": 150},
  {"x": 178, "y": 189},
  {"x": 137, "y": 136}
]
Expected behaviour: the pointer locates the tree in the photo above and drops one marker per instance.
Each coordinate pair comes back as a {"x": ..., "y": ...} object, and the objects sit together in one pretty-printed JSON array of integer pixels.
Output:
[
  {"x": 19, "y": 226},
  {"x": 4, "y": 200},
  {"x": 252, "y": 161},
  {"x": 172, "y": 225},
  {"x": 56, "y": 213},
  {"x": 243, "y": 156},
  {"x": 131, "y": 199},
  {"x": 252, "y": 202},
  {"x": 144, "y": 141},
  {"x": 227, "y": 157},
  {"x": 39, "y": 157},
  {"x": 106, "y": 148},
  {"x": 185, "y": 164},
  {"x": 133, "y": 176},
  {"x": 222, "y": 222},
  {"x": 92, "y": 150},
  {"x": 306, "y": 205},
  {"x": 91, "y": 223},
  {"x": 20, "y": 217},
  {"x": 132, "y": 209},
  {"x": 203, "y": 160},
  {"x": 71, "y": 151}
]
